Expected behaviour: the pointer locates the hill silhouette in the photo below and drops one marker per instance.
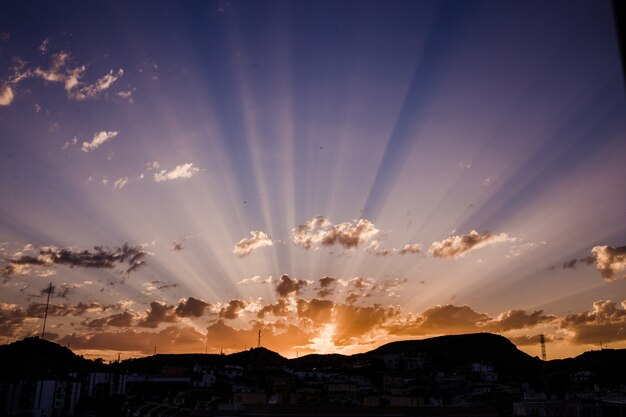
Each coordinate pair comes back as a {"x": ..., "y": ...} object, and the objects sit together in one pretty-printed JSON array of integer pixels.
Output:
[{"x": 35, "y": 357}]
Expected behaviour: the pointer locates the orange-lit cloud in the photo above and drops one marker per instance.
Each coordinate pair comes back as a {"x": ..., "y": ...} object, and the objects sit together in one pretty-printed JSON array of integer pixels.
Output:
[{"x": 605, "y": 323}]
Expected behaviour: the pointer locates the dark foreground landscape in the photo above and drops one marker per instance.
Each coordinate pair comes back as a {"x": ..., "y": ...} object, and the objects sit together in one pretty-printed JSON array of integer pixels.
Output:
[{"x": 467, "y": 375}]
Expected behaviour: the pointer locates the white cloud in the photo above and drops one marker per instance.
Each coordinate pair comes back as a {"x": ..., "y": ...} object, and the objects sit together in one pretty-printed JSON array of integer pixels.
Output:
[
  {"x": 98, "y": 139},
  {"x": 457, "y": 246},
  {"x": 181, "y": 171},
  {"x": 320, "y": 230},
  {"x": 609, "y": 260},
  {"x": 245, "y": 246},
  {"x": 6, "y": 95},
  {"x": 120, "y": 183}
]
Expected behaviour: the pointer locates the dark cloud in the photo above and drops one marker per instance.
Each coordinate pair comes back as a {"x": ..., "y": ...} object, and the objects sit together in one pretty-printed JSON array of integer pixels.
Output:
[
  {"x": 319, "y": 311},
  {"x": 443, "y": 319},
  {"x": 100, "y": 257},
  {"x": 157, "y": 314},
  {"x": 518, "y": 319},
  {"x": 172, "y": 339},
  {"x": 60, "y": 291},
  {"x": 605, "y": 323},
  {"x": 11, "y": 320},
  {"x": 191, "y": 307},
  {"x": 289, "y": 286},
  {"x": 526, "y": 340},
  {"x": 38, "y": 309},
  {"x": 124, "y": 319},
  {"x": 320, "y": 230},
  {"x": 232, "y": 309},
  {"x": 457, "y": 246},
  {"x": 326, "y": 286},
  {"x": 279, "y": 309}
]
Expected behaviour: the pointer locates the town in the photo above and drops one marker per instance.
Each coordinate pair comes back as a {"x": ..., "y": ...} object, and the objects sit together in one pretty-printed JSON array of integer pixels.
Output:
[{"x": 476, "y": 374}]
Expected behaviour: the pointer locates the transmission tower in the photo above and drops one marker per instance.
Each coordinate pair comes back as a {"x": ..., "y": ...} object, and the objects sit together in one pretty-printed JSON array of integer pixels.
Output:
[
  {"x": 258, "y": 343},
  {"x": 542, "y": 340}
]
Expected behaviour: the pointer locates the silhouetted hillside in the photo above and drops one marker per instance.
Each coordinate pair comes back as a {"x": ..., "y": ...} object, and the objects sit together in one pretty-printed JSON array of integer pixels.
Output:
[
  {"x": 37, "y": 357},
  {"x": 41, "y": 358},
  {"x": 448, "y": 352}
]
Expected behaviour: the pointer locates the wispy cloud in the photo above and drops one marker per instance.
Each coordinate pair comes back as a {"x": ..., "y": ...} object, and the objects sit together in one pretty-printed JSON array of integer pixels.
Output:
[
  {"x": 457, "y": 246},
  {"x": 120, "y": 183},
  {"x": 245, "y": 246},
  {"x": 43, "y": 47},
  {"x": 180, "y": 172},
  {"x": 97, "y": 140}
]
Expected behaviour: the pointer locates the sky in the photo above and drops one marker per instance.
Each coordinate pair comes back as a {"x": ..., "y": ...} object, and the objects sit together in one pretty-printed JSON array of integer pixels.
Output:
[{"x": 337, "y": 175}]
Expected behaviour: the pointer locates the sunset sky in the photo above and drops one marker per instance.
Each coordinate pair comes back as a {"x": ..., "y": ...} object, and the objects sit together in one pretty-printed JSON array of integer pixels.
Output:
[{"x": 338, "y": 174}]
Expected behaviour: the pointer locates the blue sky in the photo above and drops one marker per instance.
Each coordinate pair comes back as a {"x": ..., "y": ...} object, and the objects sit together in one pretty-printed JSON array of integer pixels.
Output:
[{"x": 339, "y": 174}]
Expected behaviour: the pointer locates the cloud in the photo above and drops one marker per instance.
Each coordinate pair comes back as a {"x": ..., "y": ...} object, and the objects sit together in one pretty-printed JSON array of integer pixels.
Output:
[
  {"x": 100, "y": 257},
  {"x": 353, "y": 322},
  {"x": 43, "y": 47},
  {"x": 280, "y": 337},
  {"x": 191, "y": 307},
  {"x": 320, "y": 231},
  {"x": 281, "y": 308},
  {"x": 605, "y": 323},
  {"x": 609, "y": 260},
  {"x": 319, "y": 311},
  {"x": 157, "y": 314},
  {"x": 120, "y": 183},
  {"x": 289, "y": 286},
  {"x": 180, "y": 172},
  {"x": 12, "y": 319},
  {"x": 326, "y": 286},
  {"x": 442, "y": 319},
  {"x": 94, "y": 90},
  {"x": 518, "y": 319},
  {"x": 124, "y": 319},
  {"x": 410, "y": 248},
  {"x": 97, "y": 140},
  {"x": 245, "y": 246},
  {"x": 6, "y": 95},
  {"x": 232, "y": 309},
  {"x": 457, "y": 246},
  {"x": 172, "y": 339}
]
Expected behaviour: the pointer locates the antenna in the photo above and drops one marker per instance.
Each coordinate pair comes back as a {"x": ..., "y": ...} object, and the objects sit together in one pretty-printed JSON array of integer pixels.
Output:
[
  {"x": 542, "y": 340},
  {"x": 118, "y": 357},
  {"x": 259, "y": 340},
  {"x": 45, "y": 316},
  {"x": 155, "y": 349}
]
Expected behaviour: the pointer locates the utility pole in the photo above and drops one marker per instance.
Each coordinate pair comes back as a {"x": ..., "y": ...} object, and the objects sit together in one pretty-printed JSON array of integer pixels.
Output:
[{"x": 45, "y": 316}]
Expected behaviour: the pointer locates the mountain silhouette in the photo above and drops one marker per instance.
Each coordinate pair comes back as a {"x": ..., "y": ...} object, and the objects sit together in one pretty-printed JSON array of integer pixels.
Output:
[{"x": 35, "y": 357}]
